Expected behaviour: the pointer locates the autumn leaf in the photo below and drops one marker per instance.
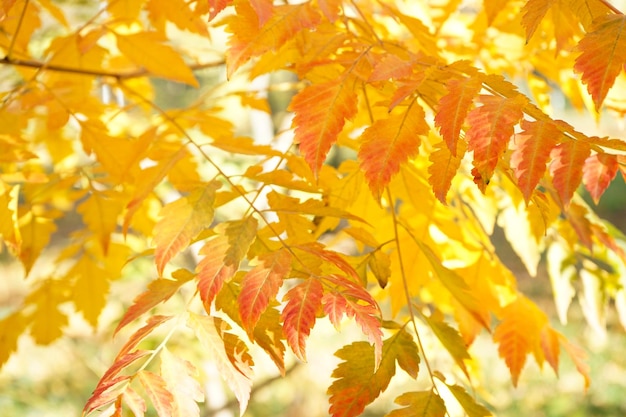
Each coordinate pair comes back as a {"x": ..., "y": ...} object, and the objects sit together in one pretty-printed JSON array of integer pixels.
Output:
[
  {"x": 451, "y": 340},
  {"x": 532, "y": 14},
  {"x": 159, "y": 290},
  {"x": 180, "y": 378},
  {"x": 253, "y": 35},
  {"x": 181, "y": 220},
  {"x": 134, "y": 402},
  {"x": 11, "y": 327},
  {"x": 603, "y": 55},
  {"x": 147, "y": 50},
  {"x": 388, "y": 143},
  {"x": 532, "y": 152},
  {"x": 443, "y": 168},
  {"x": 158, "y": 392},
  {"x": 357, "y": 383},
  {"x": 212, "y": 269},
  {"x": 518, "y": 334},
  {"x": 469, "y": 404},
  {"x": 598, "y": 173},
  {"x": 355, "y": 302},
  {"x": 136, "y": 338},
  {"x": 299, "y": 314},
  {"x": 453, "y": 109},
  {"x": 106, "y": 393},
  {"x": 491, "y": 127},
  {"x": 260, "y": 286},
  {"x": 457, "y": 287},
  {"x": 423, "y": 403},
  {"x": 320, "y": 113},
  {"x": 216, "y": 6},
  {"x": 213, "y": 337},
  {"x": 567, "y": 159},
  {"x": 391, "y": 67}
]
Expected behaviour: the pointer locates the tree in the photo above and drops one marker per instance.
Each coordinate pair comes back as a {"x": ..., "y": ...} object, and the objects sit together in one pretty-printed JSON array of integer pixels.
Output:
[{"x": 434, "y": 143}]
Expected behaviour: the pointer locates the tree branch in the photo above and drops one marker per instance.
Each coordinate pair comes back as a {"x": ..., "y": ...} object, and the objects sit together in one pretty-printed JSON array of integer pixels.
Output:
[{"x": 94, "y": 72}]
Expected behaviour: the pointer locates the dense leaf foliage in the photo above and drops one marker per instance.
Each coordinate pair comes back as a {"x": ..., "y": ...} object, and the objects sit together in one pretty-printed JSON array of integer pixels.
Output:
[{"x": 432, "y": 146}]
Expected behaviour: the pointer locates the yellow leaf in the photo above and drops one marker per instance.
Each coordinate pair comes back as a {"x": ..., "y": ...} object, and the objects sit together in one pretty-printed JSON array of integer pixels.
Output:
[
  {"x": 35, "y": 232},
  {"x": 9, "y": 230},
  {"x": 11, "y": 327},
  {"x": 147, "y": 50},
  {"x": 100, "y": 214},
  {"x": 90, "y": 288},
  {"x": 47, "y": 320},
  {"x": 178, "y": 12},
  {"x": 181, "y": 221}
]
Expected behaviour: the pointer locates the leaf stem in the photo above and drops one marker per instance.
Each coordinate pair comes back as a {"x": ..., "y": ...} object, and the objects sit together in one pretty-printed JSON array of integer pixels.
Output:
[{"x": 407, "y": 294}]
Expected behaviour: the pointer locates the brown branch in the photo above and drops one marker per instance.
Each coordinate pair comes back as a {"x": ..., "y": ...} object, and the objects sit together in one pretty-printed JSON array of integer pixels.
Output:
[{"x": 94, "y": 72}]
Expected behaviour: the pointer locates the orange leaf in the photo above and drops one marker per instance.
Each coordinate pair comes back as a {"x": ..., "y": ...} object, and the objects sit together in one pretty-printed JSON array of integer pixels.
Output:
[
  {"x": 355, "y": 302},
  {"x": 181, "y": 220},
  {"x": 264, "y": 10},
  {"x": 249, "y": 39},
  {"x": 598, "y": 172},
  {"x": 320, "y": 111},
  {"x": 330, "y": 8},
  {"x": 260, "y": 286},
  {"x": 105, "y": 393},
  {"x": 358, "y": 383},
  {"x": 550, "y": 347},
  {"x": 491, "y": 127},
  {"x": 518, "y": 333},
  {"x": 568, "y": 159},
  {"x": 444, "y": 167},
  {"x": 453, "y": 108},
  {"x": 530, "y": 157},
  {"x": 298, "y": 316},
  {"x": 332, "y": 257},
  {"x": 157, "y": 391},
  {"x": 120, "y": 363},
  {"x": 212, "y": 269},
  {"x": 139, "y": 335},
  {"x": 532, "y": 14},
  {"x": 577, "y": 217},
  {"x": 147, "y": 50},
  {"x": 578, "y": 356},
  {"x": 603, "y": 55},
  {"x": 216, "y": 6},
  {"x": 391, "y": 67},
  {"x": 159, "y": 290},
  {"x": 388, "y": 143}
]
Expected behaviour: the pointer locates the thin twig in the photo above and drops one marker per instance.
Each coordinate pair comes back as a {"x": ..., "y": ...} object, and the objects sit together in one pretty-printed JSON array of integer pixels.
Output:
[{"x": 95, "y": 72}]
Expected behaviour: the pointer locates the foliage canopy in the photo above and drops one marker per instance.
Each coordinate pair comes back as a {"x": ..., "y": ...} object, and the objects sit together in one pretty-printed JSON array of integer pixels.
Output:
[{"x": 260, "y": 235}]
